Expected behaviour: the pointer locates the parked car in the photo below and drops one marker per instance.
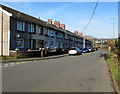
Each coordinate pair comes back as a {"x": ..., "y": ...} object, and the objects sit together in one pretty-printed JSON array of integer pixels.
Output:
[
  {"x": 85, "y": 50},
  {"x": 74, "y": 51},
  {"x": 90, "y": 49},
  {"x": 96, "y": 49}
]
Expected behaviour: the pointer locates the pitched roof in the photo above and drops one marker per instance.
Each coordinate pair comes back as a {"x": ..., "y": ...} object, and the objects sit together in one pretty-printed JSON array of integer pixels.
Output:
[{"x": 28, "y": 18}]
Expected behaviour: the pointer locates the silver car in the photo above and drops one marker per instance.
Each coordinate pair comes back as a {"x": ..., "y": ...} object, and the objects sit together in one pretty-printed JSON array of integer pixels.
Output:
[{"x": 74, "y": 51}]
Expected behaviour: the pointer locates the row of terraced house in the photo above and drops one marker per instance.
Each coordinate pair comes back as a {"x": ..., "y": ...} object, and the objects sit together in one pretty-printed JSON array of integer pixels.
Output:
[{"x": 24, "y": 32}]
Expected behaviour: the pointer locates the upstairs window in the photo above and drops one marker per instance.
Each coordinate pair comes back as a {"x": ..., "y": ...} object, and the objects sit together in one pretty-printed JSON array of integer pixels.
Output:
[
  {"x": 52, "y": 33},
  {"x": 20, "y": 25},
  {"x": 61, "y": 35},
  {"x": 40, "y": 29},
  {"x": 48, "y": 32},
  {"x": 31, "y": 28}
]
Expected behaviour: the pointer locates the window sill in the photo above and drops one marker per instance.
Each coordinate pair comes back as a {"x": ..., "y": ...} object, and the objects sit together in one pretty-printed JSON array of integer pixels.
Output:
[
  {"x": 40, "y": 34},
  {"x": 21, "y": 31},
  {"x": 52, "y": 37},
  {"x": 46, "y": 35},
  {"x": 32, "y": 32}
]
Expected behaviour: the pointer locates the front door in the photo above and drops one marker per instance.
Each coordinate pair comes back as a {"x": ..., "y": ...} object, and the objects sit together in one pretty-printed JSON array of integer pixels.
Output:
[
  {"x": 34, "y": 44},
  {"x": 40, "y": 43}
]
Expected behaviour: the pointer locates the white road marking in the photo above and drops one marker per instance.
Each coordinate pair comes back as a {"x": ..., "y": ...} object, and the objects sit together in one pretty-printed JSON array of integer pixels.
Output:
[
  {"x": 5, "y": 66},
  {"x": 22, "y": 62},
  {"x": 18, "y": 63},
  {"x": 12, "y": 64},
  {"x": 27, "y": 62}
]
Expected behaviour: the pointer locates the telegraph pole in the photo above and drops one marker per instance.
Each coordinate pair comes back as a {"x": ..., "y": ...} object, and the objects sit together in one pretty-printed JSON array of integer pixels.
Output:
[{"x": 84, "y": 37}]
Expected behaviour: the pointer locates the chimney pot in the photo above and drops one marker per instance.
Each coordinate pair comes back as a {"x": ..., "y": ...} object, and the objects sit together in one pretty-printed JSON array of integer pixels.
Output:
[
  {"x": 57, "y": 23},
  {"x": 62, "y": 26},
  {"x": 76, "y": 32},
  {"x": 50, "y": 21},
  {"x": 80, "y": 34}
]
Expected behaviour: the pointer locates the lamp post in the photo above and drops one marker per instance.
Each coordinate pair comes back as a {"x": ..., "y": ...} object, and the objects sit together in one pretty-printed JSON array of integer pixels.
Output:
[{"x": 112, "y": 18}]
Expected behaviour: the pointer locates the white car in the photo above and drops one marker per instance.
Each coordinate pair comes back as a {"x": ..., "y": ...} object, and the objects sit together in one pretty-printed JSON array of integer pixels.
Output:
[{"x": 74, "y": 50}]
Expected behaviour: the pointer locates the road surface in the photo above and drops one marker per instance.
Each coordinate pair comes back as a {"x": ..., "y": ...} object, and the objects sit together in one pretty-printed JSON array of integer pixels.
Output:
[{"x": 81, "y": 73}]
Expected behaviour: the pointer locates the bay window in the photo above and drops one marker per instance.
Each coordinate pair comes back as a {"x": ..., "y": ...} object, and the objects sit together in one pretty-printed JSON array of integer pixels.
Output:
[{"x": 20, "y": 43}]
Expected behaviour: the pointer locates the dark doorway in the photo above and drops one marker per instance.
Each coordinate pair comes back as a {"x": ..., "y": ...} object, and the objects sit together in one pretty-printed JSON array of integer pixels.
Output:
[
  {"x": 40, "y": 43},
  {"x": 34, "y": 44}
]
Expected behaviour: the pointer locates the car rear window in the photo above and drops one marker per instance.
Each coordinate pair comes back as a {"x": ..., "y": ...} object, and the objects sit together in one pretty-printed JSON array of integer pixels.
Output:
[
  {"x": 85, "y": 49},
  {"x": 72, "y": 48}
]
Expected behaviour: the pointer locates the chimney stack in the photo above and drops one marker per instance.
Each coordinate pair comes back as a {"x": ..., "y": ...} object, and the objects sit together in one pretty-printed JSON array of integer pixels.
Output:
[
  {"x": 62, "y": 26},
  {"x": 80, "y": 34},
  {"x": 57, "y": 23},
  {"x": 50, "y": 21},
  {"x": 85, "y": 36},
  {"x": 76, "y": 32}
]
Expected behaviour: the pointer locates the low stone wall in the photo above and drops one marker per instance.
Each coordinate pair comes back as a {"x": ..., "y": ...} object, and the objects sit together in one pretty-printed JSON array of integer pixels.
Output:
[{"x": 25, "y": 53}]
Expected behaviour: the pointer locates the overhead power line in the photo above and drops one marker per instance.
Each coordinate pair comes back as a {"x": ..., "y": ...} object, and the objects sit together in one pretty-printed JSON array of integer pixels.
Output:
[
  {"x": 84, "y": 44},
  {"x": 92, "y": 14}
]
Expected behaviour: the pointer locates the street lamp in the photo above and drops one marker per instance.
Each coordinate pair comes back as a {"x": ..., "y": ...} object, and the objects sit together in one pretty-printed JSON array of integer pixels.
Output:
[{"x": 112, "y": 18}]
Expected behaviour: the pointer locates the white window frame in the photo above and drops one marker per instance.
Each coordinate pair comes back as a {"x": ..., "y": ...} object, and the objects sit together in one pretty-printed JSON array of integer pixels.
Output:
[
  {"x": 51, "y": 33},
  {"x": 61, "y": 35},
  {"x": 20, "y": 25},
  {"x": 31, "y": 28},
  {"x": 18, "y": 41},
  {"x": 40, "y": 30}
]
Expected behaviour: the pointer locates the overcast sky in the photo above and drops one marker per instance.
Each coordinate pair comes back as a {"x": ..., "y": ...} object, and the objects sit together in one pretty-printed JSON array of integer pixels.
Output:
[{"x": 75, "y": 15}]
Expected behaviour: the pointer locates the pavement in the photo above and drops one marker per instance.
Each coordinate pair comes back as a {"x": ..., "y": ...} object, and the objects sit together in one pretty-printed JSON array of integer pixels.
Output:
[
  {"x": 80, "y": 73},
  {"x": 34, "y": 58}
]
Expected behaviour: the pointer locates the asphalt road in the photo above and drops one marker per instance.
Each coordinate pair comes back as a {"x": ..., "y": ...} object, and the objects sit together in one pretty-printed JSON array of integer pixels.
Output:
[{"x": 81, "y": 73}]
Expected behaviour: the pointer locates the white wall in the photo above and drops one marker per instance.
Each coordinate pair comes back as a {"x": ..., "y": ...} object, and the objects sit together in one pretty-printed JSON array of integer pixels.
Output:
[
  {"x": 0, "y": 31},
  {"x": 5, "y": 29}
]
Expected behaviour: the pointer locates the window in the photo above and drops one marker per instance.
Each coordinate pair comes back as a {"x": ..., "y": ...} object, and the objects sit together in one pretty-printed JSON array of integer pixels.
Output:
[
  {"x": 52, "y": 44},
  {"x": 20, "y": 25},
  {"x": 66, "y": 37},
  {"x": 56, "y": 44},
  {"x": 54, "y": 33},
  {"x": 40, "y": 29},
  {"x": 48, "y": 32},
  {"x": 47, "y": 44},
  {"x": 51, "y": 33},
  {"x": 31, "y": 28},
  {"x": 60, "y": 45},
  {"x": 20, "y": 43},
  {"x": 61, "y": 35}
]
